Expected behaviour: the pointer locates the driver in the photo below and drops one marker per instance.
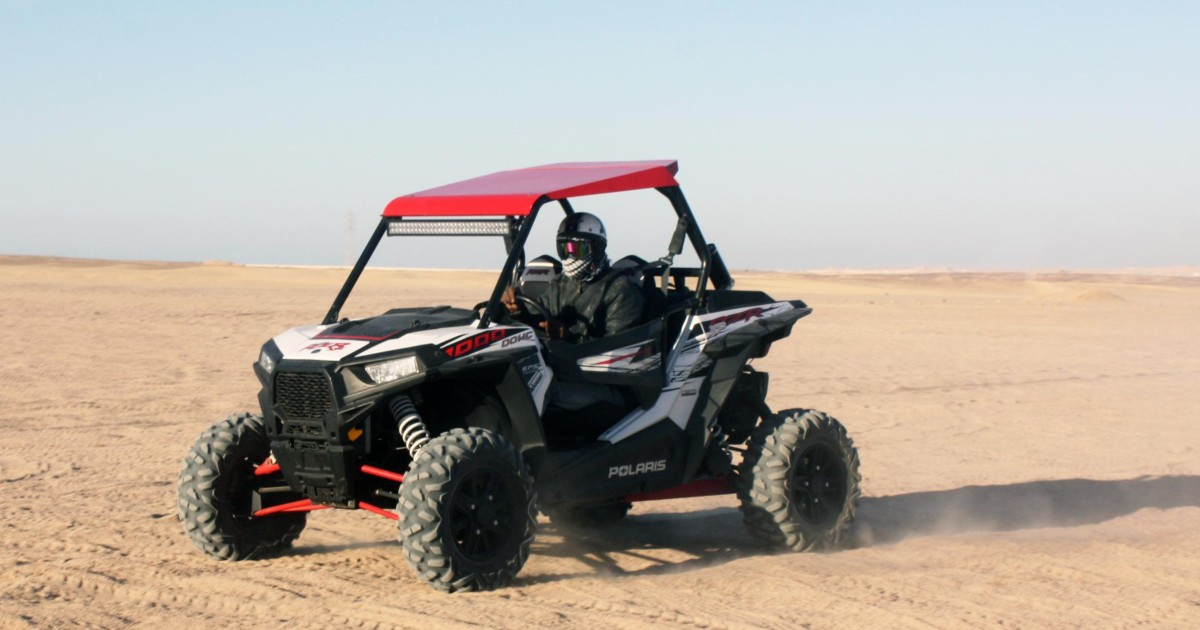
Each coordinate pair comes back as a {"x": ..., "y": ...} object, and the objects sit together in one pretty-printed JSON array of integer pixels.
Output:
[{"x": 589, "y": 300}]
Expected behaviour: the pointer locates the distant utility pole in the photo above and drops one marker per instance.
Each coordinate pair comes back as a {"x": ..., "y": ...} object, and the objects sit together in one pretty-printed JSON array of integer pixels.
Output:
[{"x": 349, "y": 238}]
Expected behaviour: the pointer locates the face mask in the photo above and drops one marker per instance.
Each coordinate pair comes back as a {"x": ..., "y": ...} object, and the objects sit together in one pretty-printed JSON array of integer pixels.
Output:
[
  {"x": 579, "y": 259},
  {"x": 576, "y": 267}
]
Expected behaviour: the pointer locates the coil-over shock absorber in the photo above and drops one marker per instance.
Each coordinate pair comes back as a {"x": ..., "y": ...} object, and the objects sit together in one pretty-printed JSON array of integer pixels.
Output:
[
  {"x": 718, "y": 459},
  {"x": 409, "y": 423}
]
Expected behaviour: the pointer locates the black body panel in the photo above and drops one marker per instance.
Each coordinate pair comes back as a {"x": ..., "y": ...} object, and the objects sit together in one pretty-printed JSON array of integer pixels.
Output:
[
  {"x": 325, "y": 420},
  {"x": 725, "y": 300},
  {"x": 653, "y": 459},
  {"x": 301, "y": 413},
  {"x": 399, "y": 321}
]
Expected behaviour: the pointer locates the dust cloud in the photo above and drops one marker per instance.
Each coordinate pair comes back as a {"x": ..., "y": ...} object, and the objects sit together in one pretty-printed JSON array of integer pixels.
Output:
[{"x": 1019, "y": 506}]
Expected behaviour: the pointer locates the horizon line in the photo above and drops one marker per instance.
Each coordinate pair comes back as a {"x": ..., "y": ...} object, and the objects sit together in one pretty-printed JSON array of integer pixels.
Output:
[{"x": 1184, "y": 271}]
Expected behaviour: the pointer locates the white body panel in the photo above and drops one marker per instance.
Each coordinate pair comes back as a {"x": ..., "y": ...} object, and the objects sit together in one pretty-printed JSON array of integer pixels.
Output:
[
  {"x": 684, "y": 362},
  {"x": 298, "y": 343},
  {"x": 304, "y": 344},
  {"x": 680, "y": 395},
  {"x": 639, "y": 357}
]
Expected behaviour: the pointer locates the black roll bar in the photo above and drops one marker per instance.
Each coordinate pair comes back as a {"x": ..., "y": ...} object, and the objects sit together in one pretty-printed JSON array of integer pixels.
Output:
[
  {"x": 675, "y": 195},
  {"x": 332, "y": 316},
  {"x": 516, "y": 251}
]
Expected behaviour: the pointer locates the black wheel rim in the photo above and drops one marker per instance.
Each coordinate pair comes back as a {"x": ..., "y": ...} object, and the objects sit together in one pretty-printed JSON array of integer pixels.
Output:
[
  {"x": 481, "y": 515},
  {"x": 818, "y": 485}
]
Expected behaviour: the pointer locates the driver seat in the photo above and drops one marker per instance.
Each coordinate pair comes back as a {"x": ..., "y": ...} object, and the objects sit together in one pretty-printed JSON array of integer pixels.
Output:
[{"x": 538, "y": 275}]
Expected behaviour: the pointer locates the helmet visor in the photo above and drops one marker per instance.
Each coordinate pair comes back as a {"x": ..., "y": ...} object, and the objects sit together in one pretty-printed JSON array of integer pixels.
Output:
[{"x": 569, "y": 247}]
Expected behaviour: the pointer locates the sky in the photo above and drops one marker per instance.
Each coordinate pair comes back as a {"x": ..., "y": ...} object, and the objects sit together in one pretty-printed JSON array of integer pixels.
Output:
[{"x": 810, "y": 135}]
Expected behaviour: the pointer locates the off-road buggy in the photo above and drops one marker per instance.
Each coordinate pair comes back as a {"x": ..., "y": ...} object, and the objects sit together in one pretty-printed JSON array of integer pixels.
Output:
[{"x": 443, "y": 419}]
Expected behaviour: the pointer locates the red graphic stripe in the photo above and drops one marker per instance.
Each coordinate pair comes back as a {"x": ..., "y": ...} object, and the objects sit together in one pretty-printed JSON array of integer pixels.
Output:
[
  {"x": 356, "y": 337},
  {"x": 621, "y": 358}
]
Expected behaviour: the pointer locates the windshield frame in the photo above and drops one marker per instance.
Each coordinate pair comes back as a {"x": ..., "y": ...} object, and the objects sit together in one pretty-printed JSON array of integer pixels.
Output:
[{"x": 514, "y": 241}]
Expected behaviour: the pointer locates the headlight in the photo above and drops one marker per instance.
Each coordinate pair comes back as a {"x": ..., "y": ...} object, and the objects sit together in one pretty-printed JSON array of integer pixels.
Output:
[
  {"x": 388, "y": 371},
  {"x": 265, "y": 362}
]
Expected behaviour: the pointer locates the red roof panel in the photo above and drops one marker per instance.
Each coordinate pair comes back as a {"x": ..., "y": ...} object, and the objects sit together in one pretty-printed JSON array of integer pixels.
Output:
[{"x": 513, "y": 193}]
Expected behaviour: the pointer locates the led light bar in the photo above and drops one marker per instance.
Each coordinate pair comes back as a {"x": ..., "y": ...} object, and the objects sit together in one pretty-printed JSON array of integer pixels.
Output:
[{"x": 454, "y": 227}]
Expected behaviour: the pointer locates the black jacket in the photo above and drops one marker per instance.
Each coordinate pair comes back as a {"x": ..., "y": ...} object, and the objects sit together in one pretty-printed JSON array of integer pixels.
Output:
[{"x": 609, "y": 304}]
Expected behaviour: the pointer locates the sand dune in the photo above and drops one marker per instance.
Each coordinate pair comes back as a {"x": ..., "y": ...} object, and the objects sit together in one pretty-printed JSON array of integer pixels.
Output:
[{"x": 1030, "y": 447}]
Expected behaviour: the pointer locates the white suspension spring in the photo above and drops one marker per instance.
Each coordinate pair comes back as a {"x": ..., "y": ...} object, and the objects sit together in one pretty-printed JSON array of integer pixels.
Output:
[{"x": 409, "y": 423}]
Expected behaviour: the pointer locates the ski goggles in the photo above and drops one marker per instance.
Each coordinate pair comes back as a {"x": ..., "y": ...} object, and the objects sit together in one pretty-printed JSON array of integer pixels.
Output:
[{"x": 574, "y": 248}]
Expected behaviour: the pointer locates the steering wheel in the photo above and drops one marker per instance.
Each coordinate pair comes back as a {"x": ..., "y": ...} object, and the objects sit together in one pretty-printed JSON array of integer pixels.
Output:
[{"x": 532, "y": 305}]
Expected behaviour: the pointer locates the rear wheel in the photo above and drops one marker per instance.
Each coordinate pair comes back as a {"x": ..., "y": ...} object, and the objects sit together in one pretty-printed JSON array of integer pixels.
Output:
[
  {"x": 216, "y": 493},
  {"x": 467, "y": 511},
  {"x": 798, "y": 482}
]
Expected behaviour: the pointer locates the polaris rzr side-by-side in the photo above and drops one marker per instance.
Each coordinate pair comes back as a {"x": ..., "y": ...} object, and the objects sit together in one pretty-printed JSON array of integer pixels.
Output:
[{"x": 443, "y": 419}]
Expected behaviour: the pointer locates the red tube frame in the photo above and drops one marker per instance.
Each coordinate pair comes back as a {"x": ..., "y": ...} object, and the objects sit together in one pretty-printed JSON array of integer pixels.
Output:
[
  {"x": 303, "y": 505},
  {"x": 306, "y": 505},
  {"x": 363, "y": 505},
  {"x": 383, "y": 474},
  {"x": 697, "y": 488},
  {"x": 266, "y": 468}
]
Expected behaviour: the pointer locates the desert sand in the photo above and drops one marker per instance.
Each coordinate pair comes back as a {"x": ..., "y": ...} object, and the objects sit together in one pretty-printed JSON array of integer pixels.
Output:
[{"x": 1030, "y": 449}]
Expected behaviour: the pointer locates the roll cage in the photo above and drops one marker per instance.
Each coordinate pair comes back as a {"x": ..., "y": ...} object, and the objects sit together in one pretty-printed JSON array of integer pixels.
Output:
[{"x": 506, "y": 204}]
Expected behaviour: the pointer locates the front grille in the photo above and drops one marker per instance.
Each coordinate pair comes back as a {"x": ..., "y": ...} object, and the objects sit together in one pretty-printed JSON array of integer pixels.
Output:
[
  {"x": 302, "y": 395},
  {"x": 303, "y": 429}
]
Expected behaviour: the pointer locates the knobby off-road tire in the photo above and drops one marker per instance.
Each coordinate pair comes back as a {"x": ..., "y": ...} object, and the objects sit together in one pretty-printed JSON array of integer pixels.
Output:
[
  {"x": 798, "y": 481},
  {"x": 468, "y": 510},
  {"x": 215, "y": 487},
  {"x": 593, "y": 516}
]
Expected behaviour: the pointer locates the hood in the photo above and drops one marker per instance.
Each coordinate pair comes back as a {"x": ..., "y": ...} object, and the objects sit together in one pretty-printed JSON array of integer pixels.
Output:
[
  {"x": 399, "y": 321},
  {"x": 397, "y": 328}
]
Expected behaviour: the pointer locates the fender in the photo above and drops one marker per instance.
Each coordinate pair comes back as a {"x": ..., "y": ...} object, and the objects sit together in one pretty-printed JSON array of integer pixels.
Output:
[{"x": 501, "y": 373}]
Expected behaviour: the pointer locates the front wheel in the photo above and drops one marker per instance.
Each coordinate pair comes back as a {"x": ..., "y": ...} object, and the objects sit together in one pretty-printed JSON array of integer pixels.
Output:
[
  {"x": 216, "y": 493},
  {"x": 798, "y": 482},
  {"x": 468, "y": 510}
]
